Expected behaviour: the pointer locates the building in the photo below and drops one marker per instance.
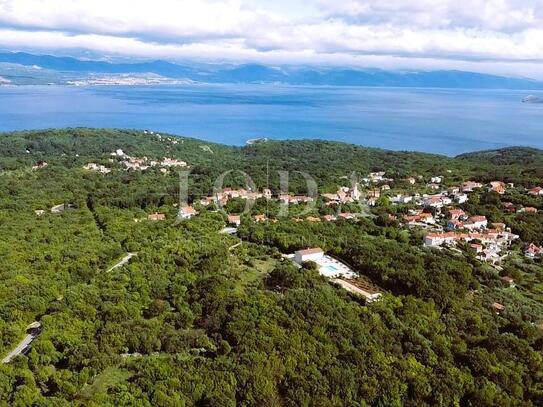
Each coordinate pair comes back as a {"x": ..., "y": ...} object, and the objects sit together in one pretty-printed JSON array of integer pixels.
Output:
[
  {"x": 347, "y": 215},
  {"x": 186, "y": 212},
  {"x": 537, "y": 191},
  {"x": 234, "y": 220},
  {"x": 40, "y": 165},
  {"x": 171, "y": 162},
  {"x": 476, "y": 222},
  {"x": 469, "y": 186},
  {"x": 509, "y": 207},
  {"x": 329, "y": 218},
  {"x": 156, "y": 216},
  {"x": 461, "y": 198},
  {"x": 436, "y": 180},
  {"x": 497, "y": 307},
  {"x": 314, "y": 254},
  {"x": 533, "y": 251},
  {"x": 267, "y": 193},
  {"x": 39, "y": 212},
  {"x": 508, "y": 281},
  {"x": 497, "y": 186},
  {"x": 96, "y": 167},
  {"x": 500, "y": 227},
  {"x": 455, "y": 214},
  {"x": 260, "y": 218}
]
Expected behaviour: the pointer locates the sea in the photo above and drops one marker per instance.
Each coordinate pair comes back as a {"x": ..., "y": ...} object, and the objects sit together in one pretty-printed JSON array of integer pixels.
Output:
[{"x": 444, "y": 121}]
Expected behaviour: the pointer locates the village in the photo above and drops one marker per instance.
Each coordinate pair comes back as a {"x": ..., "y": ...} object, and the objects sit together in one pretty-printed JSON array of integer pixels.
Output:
[{"x": 430, "y": 205}]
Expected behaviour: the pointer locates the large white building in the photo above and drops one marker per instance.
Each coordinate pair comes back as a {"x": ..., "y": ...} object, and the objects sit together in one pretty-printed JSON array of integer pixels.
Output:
[{"x": 314, "y": 254}]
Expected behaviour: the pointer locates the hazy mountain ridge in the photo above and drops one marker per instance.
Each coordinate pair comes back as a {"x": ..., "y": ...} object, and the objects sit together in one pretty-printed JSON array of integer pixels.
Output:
[{"x": 255, "y": 73}]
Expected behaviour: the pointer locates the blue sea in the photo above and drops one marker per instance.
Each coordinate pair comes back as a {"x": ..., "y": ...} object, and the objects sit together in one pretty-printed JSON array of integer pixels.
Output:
[{"x": 446, "y": 121}]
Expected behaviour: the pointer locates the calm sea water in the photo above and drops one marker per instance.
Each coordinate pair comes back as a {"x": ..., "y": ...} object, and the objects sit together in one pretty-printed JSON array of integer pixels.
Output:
[{"x": 443, "y": 121}]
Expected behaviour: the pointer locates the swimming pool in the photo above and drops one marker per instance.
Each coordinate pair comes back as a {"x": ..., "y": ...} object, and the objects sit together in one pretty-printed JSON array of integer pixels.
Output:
[{"x": 329, "y": 269}]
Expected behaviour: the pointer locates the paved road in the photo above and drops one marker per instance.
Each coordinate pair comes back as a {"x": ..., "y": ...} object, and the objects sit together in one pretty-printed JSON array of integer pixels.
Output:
[
  {"x": 20, "y": 347},
  {"x": 124, "y": 260}
]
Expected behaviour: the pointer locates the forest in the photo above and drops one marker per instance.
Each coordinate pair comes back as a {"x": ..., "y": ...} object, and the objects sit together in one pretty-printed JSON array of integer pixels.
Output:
[{"x": 202, "y": 318}]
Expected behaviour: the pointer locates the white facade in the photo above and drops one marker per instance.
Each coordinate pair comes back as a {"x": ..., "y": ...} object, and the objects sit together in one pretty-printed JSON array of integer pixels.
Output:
[{"x": 308, "y": 255}]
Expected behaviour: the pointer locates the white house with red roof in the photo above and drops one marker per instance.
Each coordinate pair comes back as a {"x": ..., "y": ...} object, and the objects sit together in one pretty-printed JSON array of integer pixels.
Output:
[{"x": 186, "y": 212}]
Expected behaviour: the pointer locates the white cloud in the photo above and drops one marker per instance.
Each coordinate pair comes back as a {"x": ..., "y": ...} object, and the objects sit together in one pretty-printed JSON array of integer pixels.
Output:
[{"x": 489, "y": 35}]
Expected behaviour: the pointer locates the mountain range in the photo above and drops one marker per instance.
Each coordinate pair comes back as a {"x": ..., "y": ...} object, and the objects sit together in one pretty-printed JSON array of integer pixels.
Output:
[{"x": 20, "y": 68}]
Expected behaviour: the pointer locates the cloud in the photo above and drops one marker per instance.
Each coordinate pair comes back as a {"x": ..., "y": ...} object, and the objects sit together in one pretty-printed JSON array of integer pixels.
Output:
[
  {"x": 485, "y": 34},
  {"x": 495, "y": 15}
]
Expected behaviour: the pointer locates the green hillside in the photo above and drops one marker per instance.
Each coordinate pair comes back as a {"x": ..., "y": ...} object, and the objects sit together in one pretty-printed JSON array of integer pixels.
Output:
[{"x": 202, "y": 318}]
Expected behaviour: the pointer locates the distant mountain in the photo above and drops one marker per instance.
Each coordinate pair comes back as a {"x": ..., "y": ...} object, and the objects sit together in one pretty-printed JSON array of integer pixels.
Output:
[{"x": 255, "y": 73}]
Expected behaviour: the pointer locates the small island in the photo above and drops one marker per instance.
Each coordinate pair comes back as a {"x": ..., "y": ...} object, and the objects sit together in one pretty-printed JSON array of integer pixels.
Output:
[{"x": 532, "y": 99}]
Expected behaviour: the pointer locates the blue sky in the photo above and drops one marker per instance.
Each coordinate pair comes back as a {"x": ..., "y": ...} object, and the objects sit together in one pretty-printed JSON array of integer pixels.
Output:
[{"x": 495, "y": 36}]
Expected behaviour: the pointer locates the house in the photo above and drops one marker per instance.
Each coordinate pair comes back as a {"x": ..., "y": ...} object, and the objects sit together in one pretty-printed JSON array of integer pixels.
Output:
[
  {"x": 461, "y": 198},
  {"x": 436, "y": 180},
  {"x": 537, "y": 191},
  {"x": 411, "y": 219},
  {"x": 528, "y": 209},
  {"x": 40, "y": 165},
  {"x": 234, "y": 220},
  {"x": 377, "y": 176},
  {"x": 490, "y": 256},
  {"x": 39, "y": 212},
  {"x": 411, "y": 180},
  {"x": 329, "y": 218},
  {"x": 60, "y": 208},
  {"x": 478, "y": 222},
  {"x": 477, "y": 247},
  {"x": 434, "y": 201},
  {"x": 374, "y": 193},
  {"x": 314, "y": 254},
  {"x": 533, "y": 251},
  {"x": 433, "y": 186},
  {"x": 171, "y": 162},
  {"x": 385, "y": 187},
  {"x": 497, "y": 186},
  {"x": 508, "y": 281},
  {"x": 438, "y": 239},
  {"x": 469, "y": 186},
  {"x": 454, "y": 224},
  {"x": 497, "y": 307},
  {"x": 402, "y": 199},
  {"x": 118, "y": 153},
  {"x": 455, "y": 214},
  {"x": 453, "y": 190},
  {"x": 96, "y": 167},
  {"x": 312, "y": 219},
  {"x": 267, "y": 193},
  {"x": 372, "y": 201},
  {"x": 186, "y": 212},
  {"x": 347, "y": 215},
  {"x": 259, "y": 218},
  {"x": 509, "y": 207},
  {"x": 427, "y": 218},
  {"x": 500, "y": 227},
  {"x": 156, "y": 216}
]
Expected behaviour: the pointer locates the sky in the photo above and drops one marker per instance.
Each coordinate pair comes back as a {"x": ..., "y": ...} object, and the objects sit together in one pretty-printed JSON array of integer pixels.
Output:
[{"x": 493, "y": 36}]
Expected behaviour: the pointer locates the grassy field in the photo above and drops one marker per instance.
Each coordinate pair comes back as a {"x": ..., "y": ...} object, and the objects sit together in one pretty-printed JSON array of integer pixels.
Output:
[{"x": 111, "y": 376}]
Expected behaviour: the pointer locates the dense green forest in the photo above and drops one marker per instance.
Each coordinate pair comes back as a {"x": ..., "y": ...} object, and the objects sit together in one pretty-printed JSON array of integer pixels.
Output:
[{"x": 197, "y": 319}]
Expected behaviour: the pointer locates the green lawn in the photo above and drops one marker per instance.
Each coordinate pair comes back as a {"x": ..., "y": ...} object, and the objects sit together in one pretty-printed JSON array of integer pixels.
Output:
[{"x": 109, "y": 377}]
